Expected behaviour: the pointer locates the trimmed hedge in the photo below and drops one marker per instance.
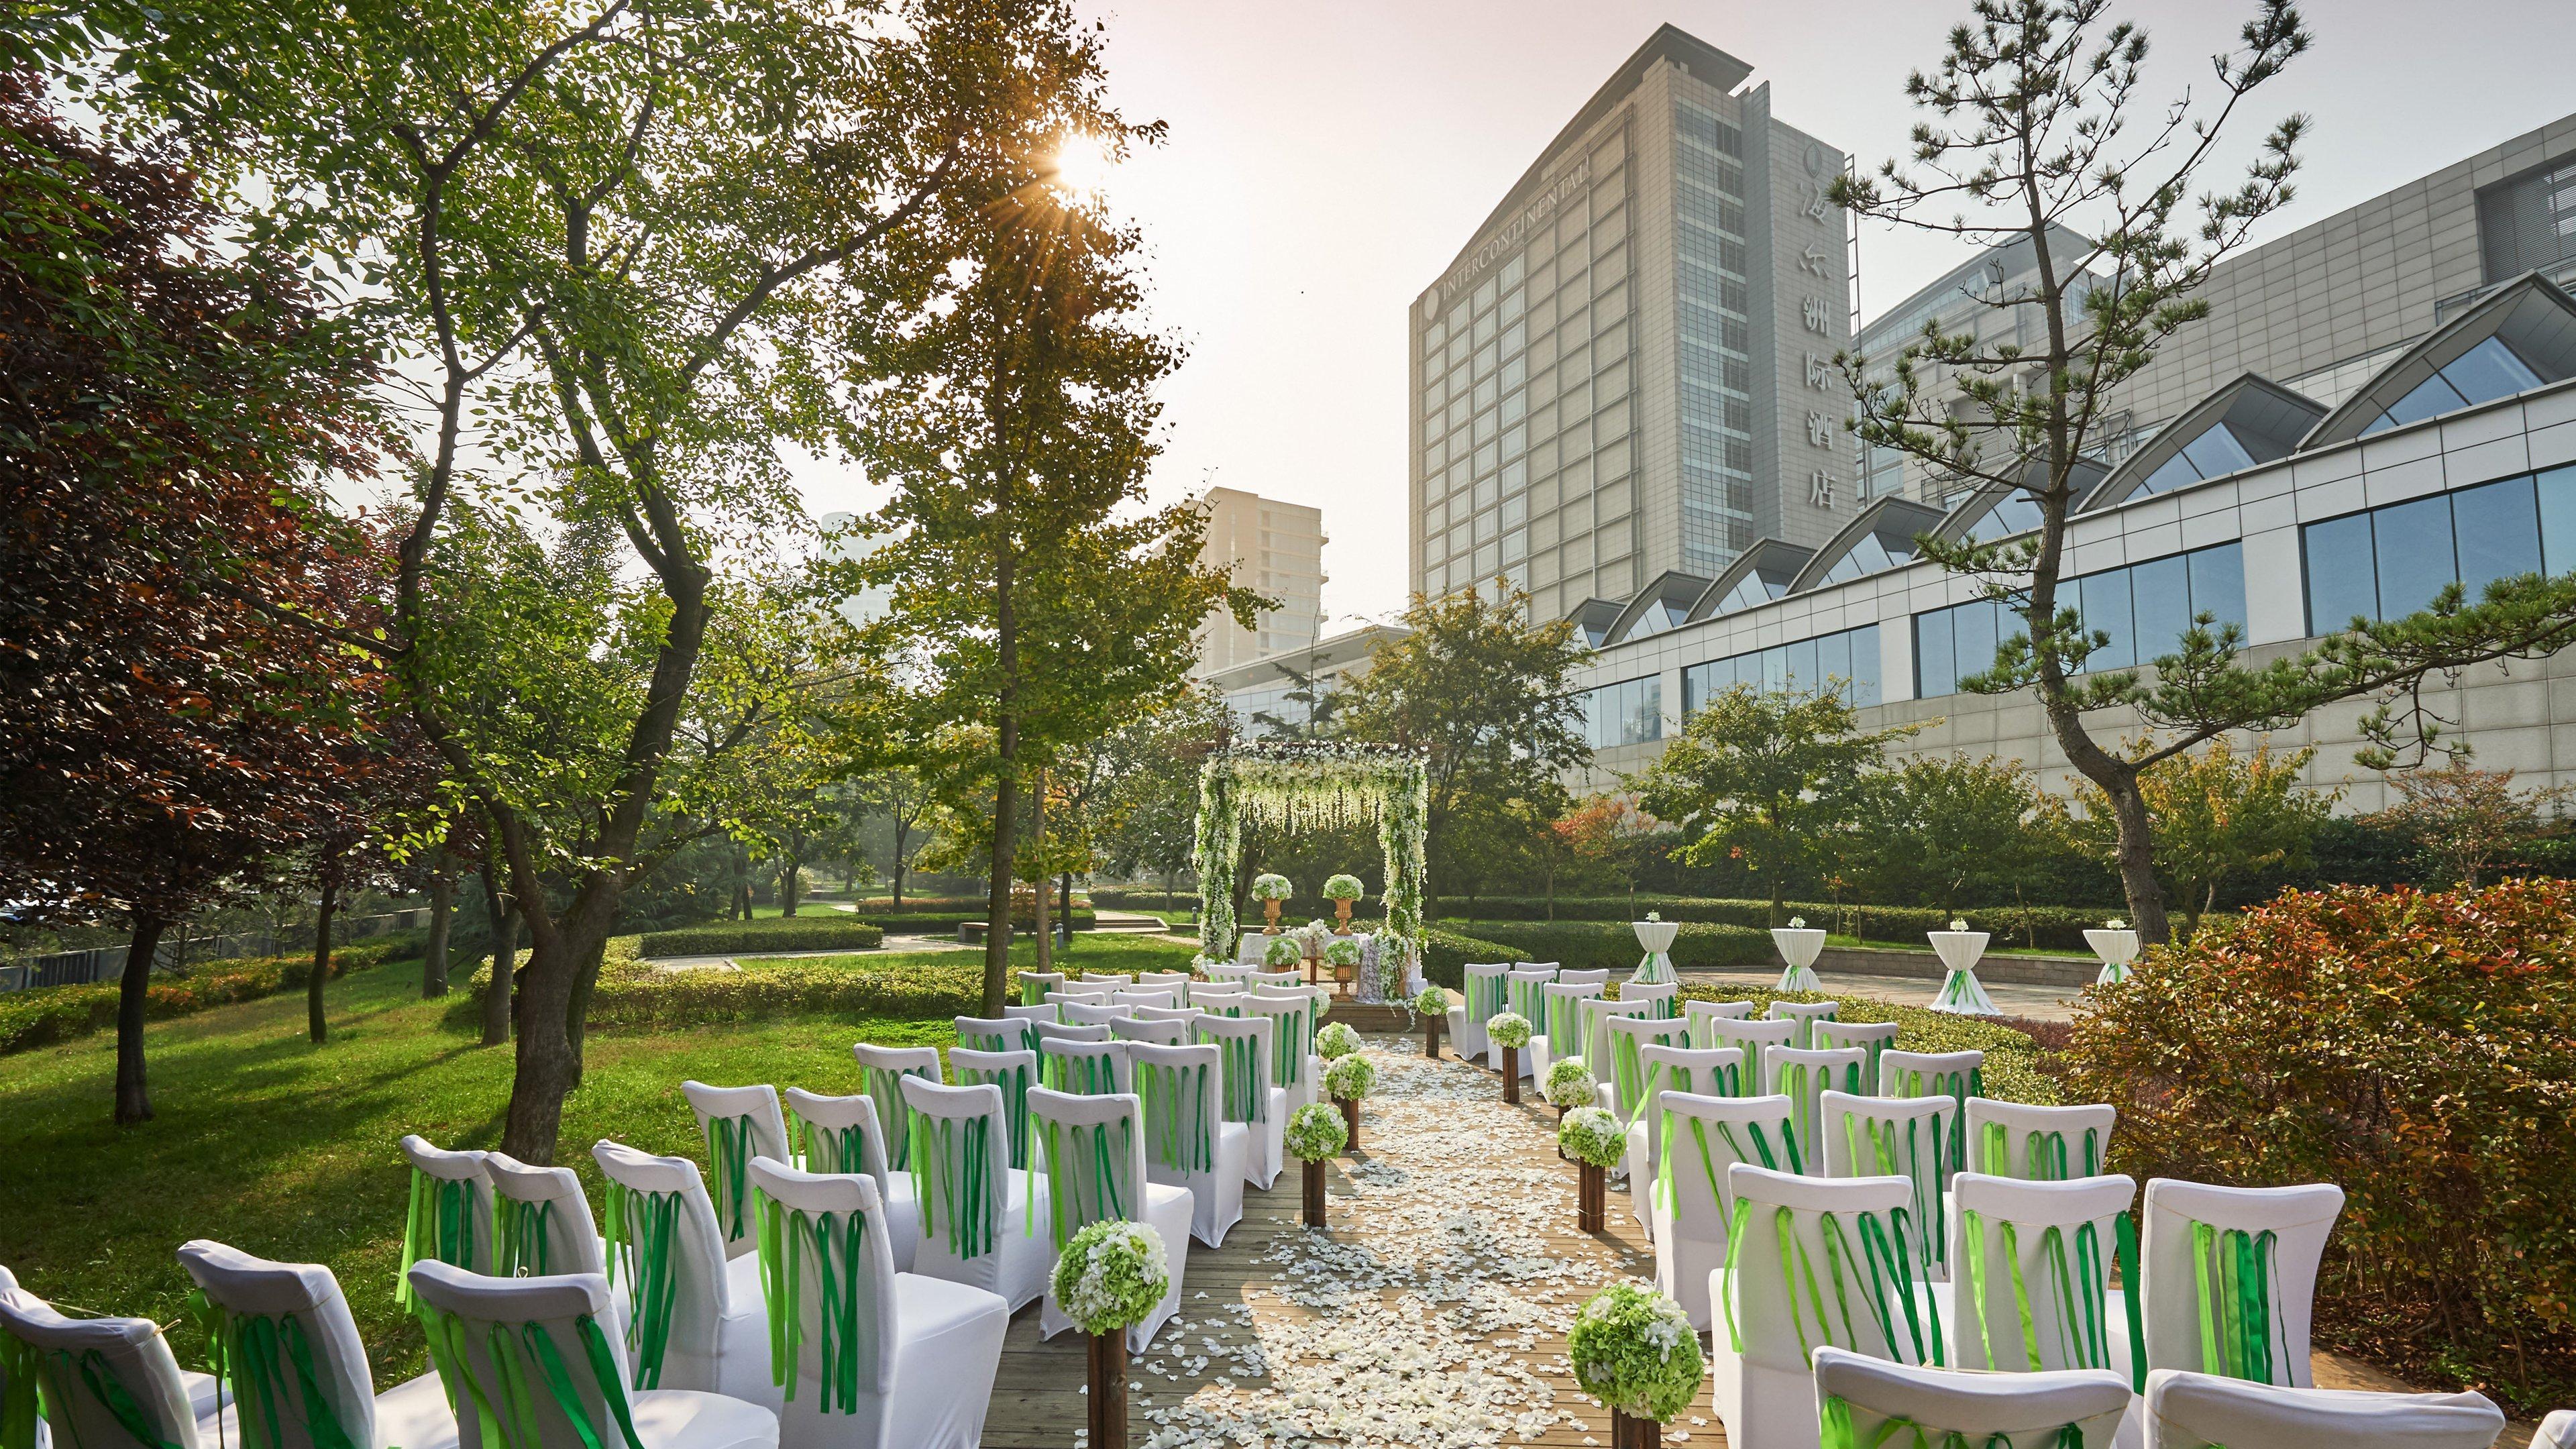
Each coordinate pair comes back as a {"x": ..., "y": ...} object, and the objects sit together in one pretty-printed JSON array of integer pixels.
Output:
[
  {"x": 1445, "y": 954},
  {"x": 2012, "y": 1070},
  {"x": 49, "y": 1015},
  {"x": 834, "y": 932},
  {"x": 925, "y": 922},
  {"x": 633, "y": 996},
  {"x": 2055, "y": 927},
  {"x": 1592, "y": 945}
]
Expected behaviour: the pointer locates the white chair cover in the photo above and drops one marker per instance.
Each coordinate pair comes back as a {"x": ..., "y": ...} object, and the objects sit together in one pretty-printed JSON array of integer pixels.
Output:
[
  {"x": 450, "y": 1216},
  {"x": 1788, "y": 1232},
  {"x": 1083, "y": 1068},
  {"x": 1095, "y": 1155},
  {"x": 106, "y": 1383},
  {"x": 1663, "y": 998},
  {"x": 1600, "y": 977},
  {"x": 1222, "y": 997},
  {"x": 1625, "y": 1087},
  {"x": 1863, "y": 1400},
  {"x": 2204, "y": 1411},
  {"x": 1146, "y": 996},
  {"x": 881, "y": 1072},
  {"x": 1036, "y": 986},
  {"x": 1010, "y": 1073},
  {"x": 2031, "y": 1265},
  {"x": 1089, "y": 1031},
  {"x": 1874, "y": 1036},
  {"x": 1176, "y": 980},
  {"x": 737, "y": 1124},
  {"x": 998, "y": 1033},
  {"x": 1170, "y": 1013},
  {"x": 2042, "y": 1144},
  {"x": 1290, "y": 977},
  {"x": 1150, "y": 1032},
  {"x": 1031, "y": 1015},
  {"x": 1221, "y": 973},
  {"x": 693, "y": 1317},
  {"x": 2208, "y": 1247},
  {"x": 278, "y": 1320},
  {"x": 843, "y": 1134},
  {"x": 1563, "y": 1038},
  {"x": 472, "y": 1318},
  {"x": 1906, "y": 1137},
  {"x": 1670, "y": 1068},
  {"x": 2558, "y": 1431},
  {"x": 1188, "y": 1141},
  {"x": 983, "y": 1221},
  {"x": 1955, "y": 1075},
  {"x": 1482, "y": 999},
  {"x": 1804, "y": 1077},
  {"x": 1597, "y": 1016},
  {"x": 1294, "y": 1021},
  {"x": 1524, "y": 991},
  {"x": 542, "y": 1225},
  {"x": 1698, "y": 1014},
  {"x": 1071, "y": 993},
  {"x": 1756, "y": 1039},
  {"x": 1806, "y": 1014},
  {"x": 1252, "y": 1095},
  {"x": 1704, "y": 1135},
  {"x": 1111, "y": 979},
  {"x": 1077, "y": 1013}
]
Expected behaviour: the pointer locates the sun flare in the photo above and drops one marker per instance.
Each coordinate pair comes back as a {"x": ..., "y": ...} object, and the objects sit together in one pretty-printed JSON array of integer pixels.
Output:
[{"x": 1082, "y": 164}]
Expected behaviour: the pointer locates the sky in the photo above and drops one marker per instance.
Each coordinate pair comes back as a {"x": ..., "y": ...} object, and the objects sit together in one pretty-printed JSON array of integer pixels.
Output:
[{"x": 1327, "y": 159}]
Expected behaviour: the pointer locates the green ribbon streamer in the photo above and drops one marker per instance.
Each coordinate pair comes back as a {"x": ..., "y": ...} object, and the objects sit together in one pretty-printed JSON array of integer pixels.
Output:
[
  {"x": 832, "y": 1149},
  {"x": 1880, "y": 1159},
  {"x": 1245, "y": 1096},
  {"x": 440, "y": 1225},
  {"x": 1177, "y": 1128},
  {"x": 1565, "y": 1031},
  {"x": 1484, "y": 997},
  {"x": 2047, "y": 1154},
  {"x": 2233, "y": 1275},
  {"x": 1083, "y": 1074},
  {"x": 250, "y": 1356},
  {"x": 643, "y": 1238},
  {"x": 40, "y": 1380},
  {"x": 885, "y": 1088},
  {"x": 19, "y": 1408},
  {"x": 1014, "y": 1082},
  {"x": 1890, "y": 1272},
  {"x": 522, "y": 1237},
  {"x": 955, "y": 1178},
  {"x": 1088, "y": 1179},
  {"x": 503, "y": 1404},
  {"x": 835, "y": 1241},
  {"x": 1529, "y": 1002},
  {"x": 729, "y": 1146},
  {"x": 1835, "y": 1425},
  {"x": 1033, "y": 992}
]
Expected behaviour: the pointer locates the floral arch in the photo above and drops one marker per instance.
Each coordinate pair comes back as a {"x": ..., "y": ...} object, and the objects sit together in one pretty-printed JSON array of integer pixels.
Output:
[{"x": 1302, "y": 785}]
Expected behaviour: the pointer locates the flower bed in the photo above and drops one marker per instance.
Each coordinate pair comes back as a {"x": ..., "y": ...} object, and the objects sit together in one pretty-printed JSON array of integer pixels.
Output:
[{"x": 51, "y": 1014}]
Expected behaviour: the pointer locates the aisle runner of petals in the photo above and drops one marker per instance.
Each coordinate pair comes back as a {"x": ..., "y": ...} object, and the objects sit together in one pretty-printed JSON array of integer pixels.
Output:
[{"x": 1434, "y": 1316}]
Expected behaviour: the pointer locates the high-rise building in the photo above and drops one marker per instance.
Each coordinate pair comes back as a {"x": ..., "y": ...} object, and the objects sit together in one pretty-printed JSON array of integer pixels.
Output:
[
  {"x": 1275, "y": 549},
  {"x": 1623, "y": 381}
]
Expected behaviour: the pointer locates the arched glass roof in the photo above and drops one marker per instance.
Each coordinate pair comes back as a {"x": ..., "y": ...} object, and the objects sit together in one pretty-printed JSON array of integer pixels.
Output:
[
  {"x": 2522, "y": 337},
  {"x": 2251, "y": 420},
  {"x": 1879, "y": 539}
]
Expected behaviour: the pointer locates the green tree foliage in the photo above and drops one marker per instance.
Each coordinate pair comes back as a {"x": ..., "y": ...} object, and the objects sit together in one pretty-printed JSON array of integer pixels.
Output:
[
  {"x": 2219, "y": 816},
  {"x": 1776, "y": 780},
  {"x": 1485, "y": 693},
  {"x": 1953, "y": 832},
  {"x": 1154, "y": 764},
  {"x": 2465, "y": 821}
]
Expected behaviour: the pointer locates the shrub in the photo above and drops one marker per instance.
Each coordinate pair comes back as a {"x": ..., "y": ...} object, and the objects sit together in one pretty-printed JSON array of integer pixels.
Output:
[
  {"x": 2413, "y": 1048},
  {"x": 773, "y": 933},
  {"x": 52, "y": 1014},
  {"x": 632, "y": 995},
  {"x": 2055, "y": 927},
  {"x": 2013, "y": 1059},
  {"x": 1445, "y": 955},
  {"x": 1593, "y": 945}
]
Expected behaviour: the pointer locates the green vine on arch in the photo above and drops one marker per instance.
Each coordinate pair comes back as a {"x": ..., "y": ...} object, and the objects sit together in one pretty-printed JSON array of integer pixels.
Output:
[{"x": 1302, "y": 785}]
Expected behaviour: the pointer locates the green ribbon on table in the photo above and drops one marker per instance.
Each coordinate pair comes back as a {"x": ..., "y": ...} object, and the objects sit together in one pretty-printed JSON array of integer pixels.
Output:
[
  {"x": 439, "y": 1225},
  {"x": 504, "y": 1406},
  {"x": 1835, "y": 1425},
  {"x": 954, "y": 1178},
  {"x": 1093, "y": 1166},
  {"x": 251, "y": 1356},
  {"x": 836, "y": 1242},
  {"x": 643, "y": 1237}
]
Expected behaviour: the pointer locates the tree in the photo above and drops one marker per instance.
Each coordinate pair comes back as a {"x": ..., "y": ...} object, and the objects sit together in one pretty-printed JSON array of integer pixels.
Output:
[
  {"x": 2034, "y": 137},
  {"x": 167, "y": 728},
  {"x": 1944, "y": 826},
  {"x": 1606, "y": 836},
  {"x": 1776, "y": 780},
  {"x": 1154, "y": 764},
  {"x": 897, "y": 795},
  {"x": 2465, "y": 821},
  {"x": 2219, "y": 816},
  {"x": 1485, "y": 694},
  {"x": 1016, "y": 427}
]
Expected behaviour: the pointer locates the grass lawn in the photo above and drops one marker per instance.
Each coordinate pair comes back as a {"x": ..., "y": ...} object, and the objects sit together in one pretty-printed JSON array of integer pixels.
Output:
[{"x": 285, "y": 1149}]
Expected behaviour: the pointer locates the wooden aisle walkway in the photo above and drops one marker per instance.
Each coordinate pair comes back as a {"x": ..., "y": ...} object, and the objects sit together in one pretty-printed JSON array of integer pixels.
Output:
[{"x": 1433, "y": 1312}]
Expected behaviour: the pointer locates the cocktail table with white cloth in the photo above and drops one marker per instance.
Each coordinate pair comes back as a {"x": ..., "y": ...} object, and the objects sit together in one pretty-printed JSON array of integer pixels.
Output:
[
  {"x": 1961, "y": 993},
  {"x": 1657, "y": 937},
  {"x": 1799, "y": 947},
  {"x": 2117, "y": 949}
]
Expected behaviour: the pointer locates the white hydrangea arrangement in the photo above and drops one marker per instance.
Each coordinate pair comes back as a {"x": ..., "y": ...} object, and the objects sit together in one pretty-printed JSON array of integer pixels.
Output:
[
  {"x": 1267, "y": 887},
  {"x": 1654, "y": 915},
  {"x": 1341, "y": 951},
  {"x": 1508, "y": 1028},
  {"x": 1336, "y": 1041},
  {"x": 1592, "y": 1136},
  {"x": 1958, "y": 924},
  {"x": 1349, "y": 1078},
  {"x": 1282, "y": 952},
  {"x": 2115, "y": 924},
  {"x": 1315, "y": 1132},
  {"x": 1634, "y": 1350},
  {"x": 1344, "y": 888},
  {"x": 1111, "y": 1275},
  {"x": 1570, "y": 1084},
  {"x": 1797, "y": 923},
  {"x": 1434, "y": 1001},
  {"x": 1315, "y": 933}
]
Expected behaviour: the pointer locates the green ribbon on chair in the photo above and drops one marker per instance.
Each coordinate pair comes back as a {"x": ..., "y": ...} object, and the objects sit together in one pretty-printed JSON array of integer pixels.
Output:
[
  {"x": 56, "y": 1377},
  {"x": 1177, "y": 1128},
  {"x": 1838, "y": 1433},
  {"x": 885, "y": 1088},
  {"x": 643, "y": 1236},
  {"x": 954, "y": 1179},
  {"x": 1244, "y": 1096},
  {"x": 19, "y": 1397},
  {"x": 439, "y": 1225},
  {"x": 522, "y": 1237},
  {"x": 1930, "y": 1213},
  {"x": 1088, "y": 1074},
  {"x": 504, "y": 1405},
  {"x": 251, "y": 1356},
  {"x": 1014, "y": 1082},
  {"x": 1565, "y": 1031},
  {"x": 835, "y": 1240},
  {"x": 2233, "y": 1272},
  {"x": 1881, "y": 1255},
  {"x": 730, "y": 1145},
  {"x": 1092, "y": 1166},
  {"x": 2048, "y": 1157}
]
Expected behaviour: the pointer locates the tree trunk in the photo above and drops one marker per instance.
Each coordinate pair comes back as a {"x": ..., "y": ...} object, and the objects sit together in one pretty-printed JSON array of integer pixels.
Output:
[
  {"x": 442, "y": 916},
  {"x": 789, "y": 879},
  {"x": 2136, "y": 861},
  {"x": 1779, "y": 899},
  {"x": 1064, "y": 904},
  {"x": 505, "y": 961},
  {"x": 314, "y": 1024},
  {"x": 552, "y": 991},
  {"x": 133, "y": 991},
  {"x": 1037, "y": 841},
  {"x": 997, "y": 886}
]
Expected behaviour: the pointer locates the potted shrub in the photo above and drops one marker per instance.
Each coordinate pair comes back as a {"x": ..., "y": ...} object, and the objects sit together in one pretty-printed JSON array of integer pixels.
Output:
[
  {"x": 1593, "y": 1138},
  {"x": 1314, "y": 1133},
  {"x": 1347, "y": 1080},
  {"x": 1511, "y": 1031},
  {"x": 1343, "y": 955},
  {"x": 1343, "y": 891},
  {"x": 1433, "y": 1007},
  {"x": 1108, "y": 1280},
  {"x": 1570, "y": 1084},
  {"x": 1633, "y": 1349},
  {"x": 1271, "y": 891}
]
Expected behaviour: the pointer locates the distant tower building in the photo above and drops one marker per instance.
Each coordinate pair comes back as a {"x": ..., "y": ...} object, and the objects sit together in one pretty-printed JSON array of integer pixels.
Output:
[
  {"x": 1272, "y": 548},
  {"x": 1625, "y": 374}
]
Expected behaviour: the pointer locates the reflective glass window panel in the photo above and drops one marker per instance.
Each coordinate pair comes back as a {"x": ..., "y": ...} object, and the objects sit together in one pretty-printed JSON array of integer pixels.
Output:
[
  {"x": 1803, "y": 674},
  {"x": 2489, "y": 371},
  {"x": 2431, "y": 398},
  {"x": 2216, "y": 452},
  {"x": 1833, "y": 660},
  {"x": 1775, "y": 670},
  {"x": 2498, "y": 532},
  {"x": 2342, "y": 579},
  {"x": 1864, "y": 657},
  {"x": 2106, "y": 609},
  {"x": 2414, "y": 554},
  {"x": 1976, "y": 625},
  {"x": 1935, "y": 662},
  {"x": 2218, "y": 584},
  {"x": 2558, "y": 519},
  {"x": 2161, "y": 590}
]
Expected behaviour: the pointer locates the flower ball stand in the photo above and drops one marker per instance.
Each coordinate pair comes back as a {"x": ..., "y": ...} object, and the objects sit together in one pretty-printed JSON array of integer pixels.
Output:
[
  {"x": 1591, "y": 1187},
  {"x": 1631, "y": 1433},
  {"x": 1799, "y": 947},
  {"x": 1105, "y": 1404},
  {"x": 1314, "y": 1180},
  {"x": 1512, "y": 1076},
  {"x": 1657, "y": 938},
  {"x": 1350, "y": 1118},
  {"x": 2117, "y": 949},
  {"x": 1341, "y": 916},
  {"x": 1431, "y": 1036},
  {"x": 1961, "y": 993}
]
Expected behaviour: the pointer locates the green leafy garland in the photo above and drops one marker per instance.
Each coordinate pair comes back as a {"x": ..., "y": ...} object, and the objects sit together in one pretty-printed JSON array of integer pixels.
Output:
[{"x": 1301, "y": 785}]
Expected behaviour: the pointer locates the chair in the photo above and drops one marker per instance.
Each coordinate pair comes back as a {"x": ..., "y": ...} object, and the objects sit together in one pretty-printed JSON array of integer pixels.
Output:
[
  {"x": 1290, "y": 977},
  {"x": 1295, "y": 1068},
  {"x": 1146, "y": 996},
  {"x": 2231, "y": 1277},
  {"x": 1673, "y": 1068},
  {"x": 1597, "y": 1014},
  {"x": 1699, "y": 1013},
  {"x": 450, "y": 1218},
  {"x": 1482, "y": 1001},
  {"x": 1906, "y": 1137},
  {"x": 1252, "y": 1095},
  {"x": 106, "y": 1383},
  {"x": 1188, "y": 1142},
  {"x": 1170, "y": 1013},
  {"x": 2186, "y": 1410},
  {"x": 1875, "y": 1036},
  {"x": 1078, "y": 1013},
  {"x": 1152, "y": 1033},
  {"x": 1955, "y": 1075},
  {"x": 1095, "y": 1155},
  {"x": 2040, "y": 1144},
  {"x": 1563, "y": 1039},
  {"x": 1804, "y": 1077},
  {"x": 1030, "y": 1016},
  {"x": 693, "y": 1316},
  {"x": 992, "y": 1034},
  {"x": 1175, "y": 980},
  {"x": 739, "y": 1124},
  {"x": 1107, "y": 978},
  {"x": 982, "y": 1220},
  {"x": 1525, "y": 992},
  {"x": 1705, "y": 1133},
  {"x": 1220, "y": 974},
  {"x": 1864, "y": 1400},
  {"x": 1011, "y": 1073},
  {"x": 1035, "y": 986},
  {"x": 844, "y": 1134},
  {"x": 1625, "y": 1090},
  {"x": 1050, "y": 1031},
  {"x": 276, "y": 1323},
  {"x": 541, "y": 1221},
  {"x": 2558, "y": 1431},
  {"x": 1599, "y": 978},
  {"x": 1756, "y": 1039},
  {"x": 1662, "y": 998},
  {"x": 1069, "y": 993},
  {"x": 1219, "y": 998},
  {"x": 1806, "y": 1014},
  {"x": 1814, "y": 1263},
  {"x": 1084, "y": 1068},
  {"x": 529, "y": 1364},
  {"x": 2031, "y": 1267},
  {"x": 881, "y": 1073}
]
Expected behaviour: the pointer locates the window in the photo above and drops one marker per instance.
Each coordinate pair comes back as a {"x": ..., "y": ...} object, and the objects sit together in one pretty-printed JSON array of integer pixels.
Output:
[
  {"x": 1847, "y": 661},
  {"x": 2484, "y": 373},
  {"x": 2389, "y": 562},
  {"x": 1630, "y": 712},
  {"x": 2015, "y": 513},
  {"x": 2213, "y": 454},
  {"x": 2144, "y": 609}
]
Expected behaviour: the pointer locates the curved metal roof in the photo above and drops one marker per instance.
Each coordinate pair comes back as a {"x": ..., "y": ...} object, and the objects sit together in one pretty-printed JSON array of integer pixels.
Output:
[
  {"x": 2261, "y": 421},
  {"x": 1660, "y": 605},
  {"x": 2533, "y": 325},
  {"x": 1888, "y": 526},
  {"x": 1766, "y": 568}
]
